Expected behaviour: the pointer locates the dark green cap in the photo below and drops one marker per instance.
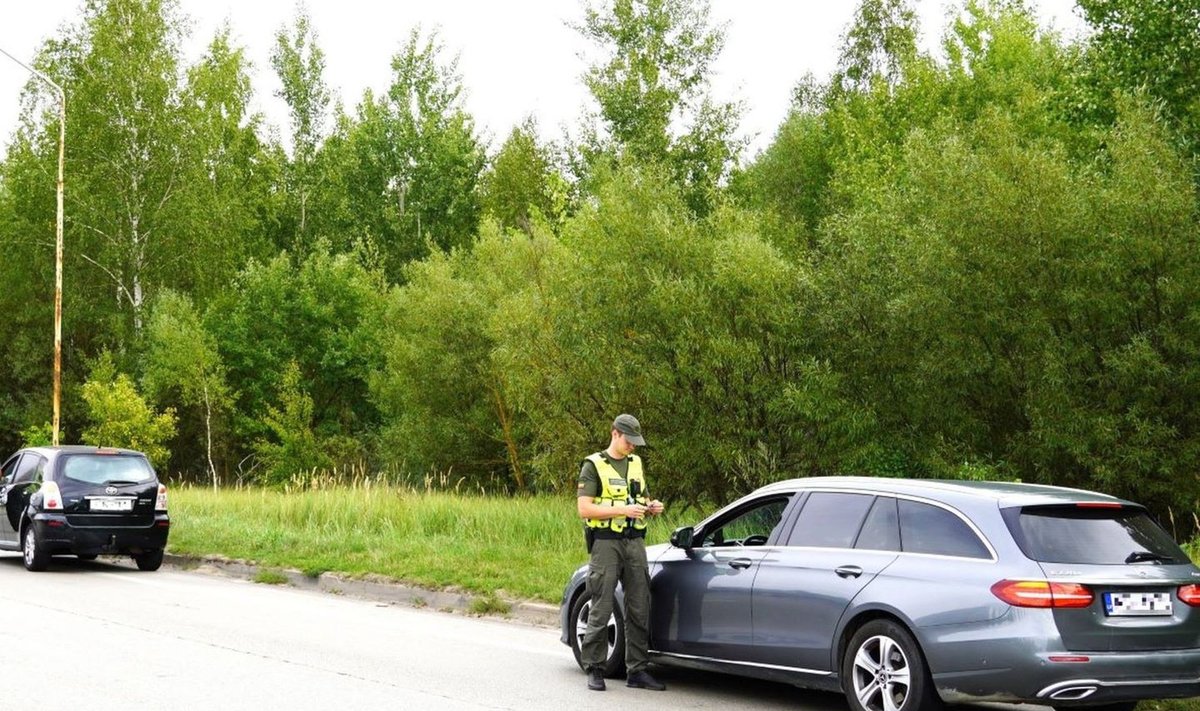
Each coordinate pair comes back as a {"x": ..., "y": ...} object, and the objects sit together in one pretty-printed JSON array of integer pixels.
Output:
[{"x": 631, "y": 428}]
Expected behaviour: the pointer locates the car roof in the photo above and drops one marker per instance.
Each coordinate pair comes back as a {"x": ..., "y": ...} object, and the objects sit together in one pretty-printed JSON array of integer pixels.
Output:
[
  {"x": 1005, "y": 493},
  {"x": 49, "y": 452}
]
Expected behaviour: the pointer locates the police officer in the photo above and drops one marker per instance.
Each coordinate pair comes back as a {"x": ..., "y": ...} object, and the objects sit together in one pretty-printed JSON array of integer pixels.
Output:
[{"x": 613, "y": 503}]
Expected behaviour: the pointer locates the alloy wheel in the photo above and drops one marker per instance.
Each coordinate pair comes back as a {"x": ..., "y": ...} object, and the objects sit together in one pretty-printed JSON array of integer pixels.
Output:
[
  {"x": 30, "y": 548},
  {"x": 881, "y": 675},
  {"x": 581, "y": 623}
]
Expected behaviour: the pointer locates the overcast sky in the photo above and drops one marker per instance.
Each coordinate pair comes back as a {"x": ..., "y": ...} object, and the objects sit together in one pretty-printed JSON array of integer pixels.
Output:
[{"x": 517, "y": 57}]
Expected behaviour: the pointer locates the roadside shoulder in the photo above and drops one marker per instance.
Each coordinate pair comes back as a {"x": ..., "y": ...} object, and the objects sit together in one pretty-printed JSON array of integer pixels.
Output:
[{"x": 376, "y": 588}]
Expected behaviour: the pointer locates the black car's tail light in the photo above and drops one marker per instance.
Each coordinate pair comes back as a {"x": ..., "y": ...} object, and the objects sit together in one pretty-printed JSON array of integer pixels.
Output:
[
  {"x": 160, "y": 503},
  {"x": 1041, "y": 593},
  {"x": 1190, "y": 594},
  {"x": 51, "y": 496}
]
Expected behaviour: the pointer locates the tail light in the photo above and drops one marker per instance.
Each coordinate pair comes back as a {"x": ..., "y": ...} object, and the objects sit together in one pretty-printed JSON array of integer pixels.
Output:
[
  {"x": 51, "y": 496},
  {"x": 160, "y": 503},
  {"x": 1190, "y": 594},
  {"x": 1041, "y": 593}
]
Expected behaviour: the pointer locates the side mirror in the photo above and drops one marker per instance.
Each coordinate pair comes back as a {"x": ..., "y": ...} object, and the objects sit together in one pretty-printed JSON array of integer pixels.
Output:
[{"x": 682, "y": 537}]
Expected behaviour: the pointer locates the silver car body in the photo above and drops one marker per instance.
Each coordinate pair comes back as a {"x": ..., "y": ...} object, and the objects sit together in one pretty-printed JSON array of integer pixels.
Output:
[{"x": 768, "y": 609}]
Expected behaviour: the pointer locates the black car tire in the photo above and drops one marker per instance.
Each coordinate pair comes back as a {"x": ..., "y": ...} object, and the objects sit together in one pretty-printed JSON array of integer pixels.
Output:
[
  {"x": 33, "y": 554},
  {"x": 883, "y": 658},
  {"x": 614, "y": 666},
  {"x": 150, "y": 560}
]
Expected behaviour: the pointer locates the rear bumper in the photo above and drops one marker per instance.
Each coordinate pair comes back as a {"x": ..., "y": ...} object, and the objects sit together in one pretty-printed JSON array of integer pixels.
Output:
[
  {"x": 1124, "y": 676},
  {"x": 1019, "y": 657},
  {"x": 59, "y": 536}
]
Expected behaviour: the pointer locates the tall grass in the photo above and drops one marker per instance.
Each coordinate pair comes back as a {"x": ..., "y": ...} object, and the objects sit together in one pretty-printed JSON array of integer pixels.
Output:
[
  {"x": 521, "y": 546},
  {"x": 525, "y": 547}
]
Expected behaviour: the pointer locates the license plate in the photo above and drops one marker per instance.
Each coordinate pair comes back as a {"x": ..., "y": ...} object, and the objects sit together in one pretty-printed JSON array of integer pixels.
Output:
[
  {"x": 1137, "y": 603},
  {"x": 112, "y": 504}
]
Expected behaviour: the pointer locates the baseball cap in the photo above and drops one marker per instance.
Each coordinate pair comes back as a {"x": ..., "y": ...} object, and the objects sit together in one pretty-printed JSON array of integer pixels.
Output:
[{"x": 631, "y": 428}]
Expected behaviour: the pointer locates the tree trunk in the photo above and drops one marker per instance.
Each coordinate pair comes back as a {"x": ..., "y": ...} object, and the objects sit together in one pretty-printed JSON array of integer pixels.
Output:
[
  {"x": 509, "y": 443},
  {"x": 208, "y": 436}
]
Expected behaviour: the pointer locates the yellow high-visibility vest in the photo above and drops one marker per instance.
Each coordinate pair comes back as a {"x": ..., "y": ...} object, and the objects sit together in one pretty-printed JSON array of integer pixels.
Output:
[{"x": 614, "y": 491}]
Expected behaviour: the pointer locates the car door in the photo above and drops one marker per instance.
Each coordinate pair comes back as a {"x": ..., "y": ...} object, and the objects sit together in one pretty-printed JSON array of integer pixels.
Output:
[
  {"x": 16, "y": 492},
  {"x": 701, "y": 595},
  {"x": 803, "y": 587},
  {"x": 7, "y": 523}
]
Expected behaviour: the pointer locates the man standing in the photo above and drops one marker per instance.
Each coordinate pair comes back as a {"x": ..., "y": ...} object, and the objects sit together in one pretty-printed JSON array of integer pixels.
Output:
[{"x": 613, "y": 503}]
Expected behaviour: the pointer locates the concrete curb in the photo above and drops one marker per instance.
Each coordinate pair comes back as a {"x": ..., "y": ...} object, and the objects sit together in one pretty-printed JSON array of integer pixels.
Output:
[{"x": 376, "y": 588}]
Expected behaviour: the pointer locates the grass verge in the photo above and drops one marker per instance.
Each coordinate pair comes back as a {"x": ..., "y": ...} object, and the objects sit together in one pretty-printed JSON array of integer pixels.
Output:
[{"x": 514, "y": 547}]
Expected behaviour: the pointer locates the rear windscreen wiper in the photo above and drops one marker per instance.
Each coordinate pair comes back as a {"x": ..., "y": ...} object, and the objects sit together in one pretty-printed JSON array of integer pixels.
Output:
[{"x": 1146, "y": 556}]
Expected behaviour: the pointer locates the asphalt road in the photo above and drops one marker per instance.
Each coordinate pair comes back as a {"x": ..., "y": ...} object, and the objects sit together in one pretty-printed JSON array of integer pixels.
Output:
[{"x": 104, "y": 636}]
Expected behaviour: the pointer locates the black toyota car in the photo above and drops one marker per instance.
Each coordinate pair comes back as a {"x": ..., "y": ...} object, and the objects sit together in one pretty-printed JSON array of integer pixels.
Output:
[{"x": 84, "y": 501}]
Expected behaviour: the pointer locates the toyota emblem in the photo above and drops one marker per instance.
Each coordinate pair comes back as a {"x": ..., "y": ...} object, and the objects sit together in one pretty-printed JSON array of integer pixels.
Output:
[{"x": 110, "y": 490}]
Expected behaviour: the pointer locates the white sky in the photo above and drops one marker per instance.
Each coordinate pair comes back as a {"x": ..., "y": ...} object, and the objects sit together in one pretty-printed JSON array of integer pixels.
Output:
[{"x": 517, "y": 57}]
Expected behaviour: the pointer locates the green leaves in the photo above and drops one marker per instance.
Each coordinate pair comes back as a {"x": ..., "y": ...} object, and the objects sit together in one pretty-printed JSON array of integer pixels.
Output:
[
  {"x": 523, "y": 182},
  {"x": 121, "y": 418},
  {"x": 652, "y": 90},
  {"x": 413, "y": 160},
  {"x": 322, "y": 316}
]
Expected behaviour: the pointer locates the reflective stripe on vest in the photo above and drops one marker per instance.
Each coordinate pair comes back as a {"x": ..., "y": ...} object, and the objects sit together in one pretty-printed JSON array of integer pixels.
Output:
[{"x": 614, "y": 491}]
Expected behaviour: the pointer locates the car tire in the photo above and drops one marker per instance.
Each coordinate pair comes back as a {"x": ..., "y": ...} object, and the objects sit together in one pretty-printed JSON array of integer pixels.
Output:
[
  {"x": 881, "y": 659},
  {"x": 33, "y": 553},
  {"x": 150, "y": 560},
  {"x": 614, "y": 664}
]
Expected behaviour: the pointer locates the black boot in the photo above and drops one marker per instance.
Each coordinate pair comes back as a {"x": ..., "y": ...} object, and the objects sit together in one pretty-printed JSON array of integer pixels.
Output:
[
  {"x": 596, "y": 680},
  {"x": 643, "y": 680}
]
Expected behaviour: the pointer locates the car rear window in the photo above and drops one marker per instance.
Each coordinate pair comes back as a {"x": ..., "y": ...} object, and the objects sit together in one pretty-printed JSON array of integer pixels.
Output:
[
  {"x": 107, "y": 468},
  {"x": 1091, "y": 535}
]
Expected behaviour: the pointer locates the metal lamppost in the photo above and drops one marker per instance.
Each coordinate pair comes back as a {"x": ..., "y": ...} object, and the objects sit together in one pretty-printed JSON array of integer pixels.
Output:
[{"x": 58, "y": 237}]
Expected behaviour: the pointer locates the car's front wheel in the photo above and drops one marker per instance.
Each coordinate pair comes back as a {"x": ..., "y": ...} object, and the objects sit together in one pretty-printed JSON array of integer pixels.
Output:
[
  {"x": 614, "y": 660},
  {"x": 883, "y": 670},
  {"x": 150, "y": 560},
  {"x": 33, "y": 552}
]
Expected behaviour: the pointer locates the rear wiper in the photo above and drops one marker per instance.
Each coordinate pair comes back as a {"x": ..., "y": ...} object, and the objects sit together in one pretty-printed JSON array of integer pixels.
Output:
[{"x": 1145, "y": 556}]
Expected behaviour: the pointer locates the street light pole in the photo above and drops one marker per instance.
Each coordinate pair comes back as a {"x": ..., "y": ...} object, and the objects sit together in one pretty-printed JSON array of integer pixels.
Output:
[{"x": 58, "y": 237}]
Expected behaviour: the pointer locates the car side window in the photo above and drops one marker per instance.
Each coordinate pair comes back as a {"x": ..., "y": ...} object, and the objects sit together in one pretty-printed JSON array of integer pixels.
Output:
[
  {"x": 748, "y": 527},
  {"x": 6, "y": 474},
  {"x": 830, "y": 520},
  {"x": 881, "y": 530},
  {"x": 931, "y": 529},
  {"x": 26, "y": 469}
]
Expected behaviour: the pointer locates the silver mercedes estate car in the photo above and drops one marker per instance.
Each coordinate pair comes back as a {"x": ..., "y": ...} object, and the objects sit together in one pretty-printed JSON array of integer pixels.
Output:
[{"x": 903, "y": 594}]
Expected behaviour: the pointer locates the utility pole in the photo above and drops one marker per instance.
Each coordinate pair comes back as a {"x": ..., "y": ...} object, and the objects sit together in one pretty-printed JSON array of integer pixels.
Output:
[{"x": 58, "y": 237}]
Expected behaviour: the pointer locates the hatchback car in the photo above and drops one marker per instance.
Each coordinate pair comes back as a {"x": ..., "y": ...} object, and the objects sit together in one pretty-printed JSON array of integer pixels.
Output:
[
  {"x": 902, "y": 594},
  {"x": 83, "y": 500}
]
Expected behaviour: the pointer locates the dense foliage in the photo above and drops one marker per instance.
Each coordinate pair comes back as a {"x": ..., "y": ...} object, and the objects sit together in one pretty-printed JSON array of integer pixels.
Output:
[{"x": 978, "y": 262}]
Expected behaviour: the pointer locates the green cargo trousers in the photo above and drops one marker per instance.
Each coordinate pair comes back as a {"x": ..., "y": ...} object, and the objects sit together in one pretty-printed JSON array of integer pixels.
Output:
[{"x": 618, "y": 560}]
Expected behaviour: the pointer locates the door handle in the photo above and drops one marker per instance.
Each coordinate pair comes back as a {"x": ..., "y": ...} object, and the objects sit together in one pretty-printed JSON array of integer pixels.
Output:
[
  {"x": 740, "y": 563},
  {"x": 848, "y": 571}
]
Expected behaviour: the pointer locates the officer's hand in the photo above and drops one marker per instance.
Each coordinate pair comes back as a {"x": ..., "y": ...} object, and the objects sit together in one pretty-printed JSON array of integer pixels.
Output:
[
  {"x": 635, "y": 511},
  {"x": 655, "y": 508}
]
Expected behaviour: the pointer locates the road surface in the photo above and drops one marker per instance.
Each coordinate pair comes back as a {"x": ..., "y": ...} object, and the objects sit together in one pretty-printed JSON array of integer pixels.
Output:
[{"x": 105, "y": 636}]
